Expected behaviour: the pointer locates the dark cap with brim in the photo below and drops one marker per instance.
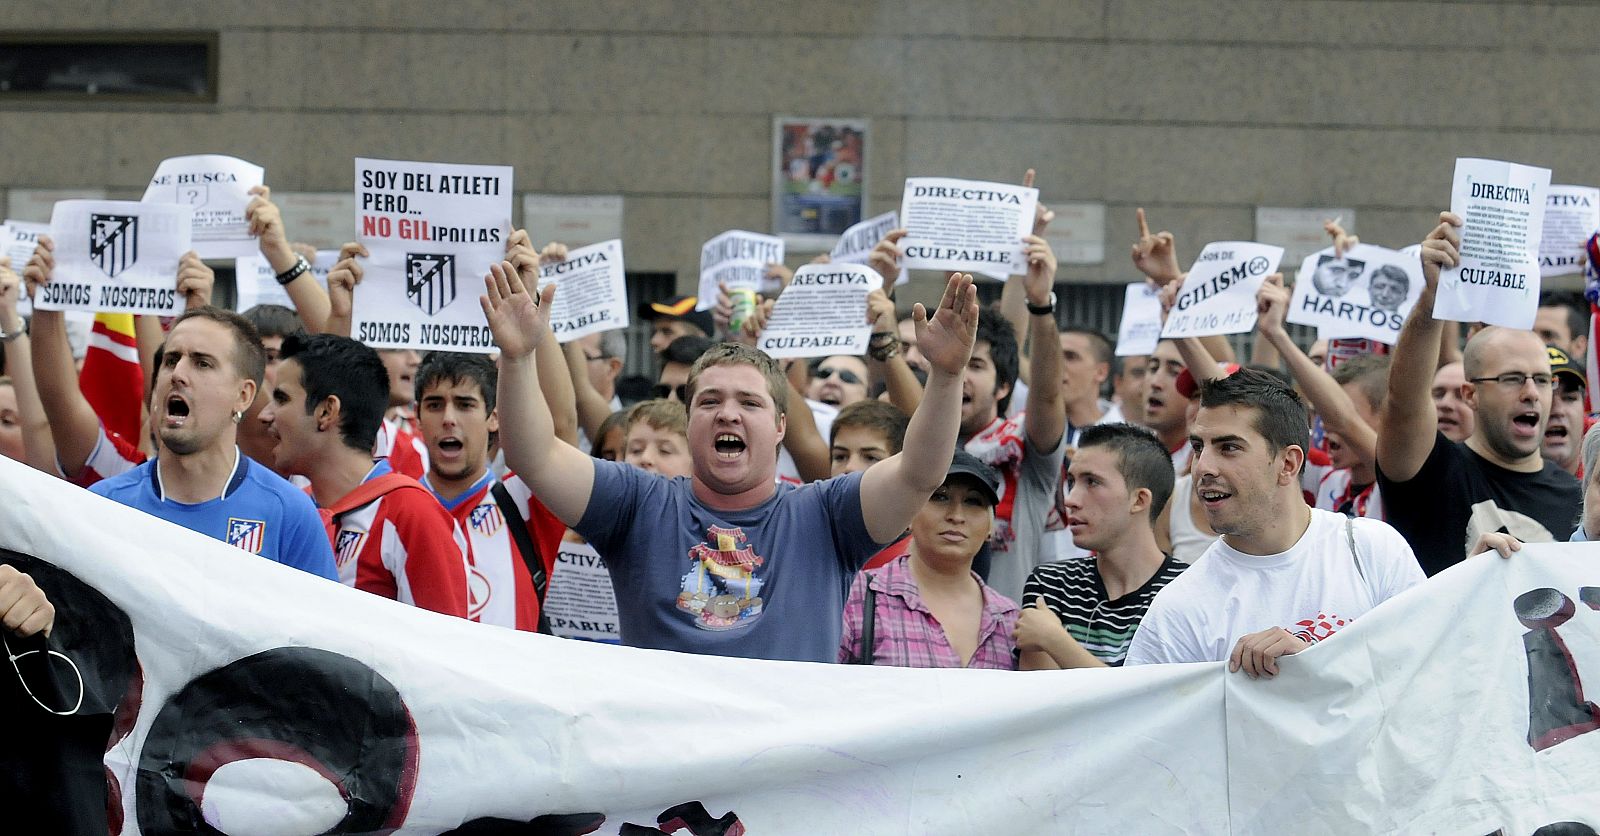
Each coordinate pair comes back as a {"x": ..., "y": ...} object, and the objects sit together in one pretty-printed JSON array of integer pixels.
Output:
[
  {"x": 966, "y": 464},
  {"x": 679, "y": 307},
  {"x": 1561, "y": 363}
]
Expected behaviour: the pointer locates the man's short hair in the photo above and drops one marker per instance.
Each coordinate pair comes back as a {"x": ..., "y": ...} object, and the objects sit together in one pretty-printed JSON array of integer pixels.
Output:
[
  {"x": 458, "y": 367},
  {"x": 661, "y": 414},
  {"x": 1280, "y": 415},
  {"x": 738, "y": 354},
  {"x": 1002, "y": 338},
  {"x": 249, "y": 355},
  {"x": 1142, "y": 459},
  {"x": 339, "y": 366},
  {"x": 1099, "y": 343},
  {"x": 874, "y": 416},
  {"x": 1370, "y": 374},
  {"x": 274, "y": 321},
  {"x": 1577, "y": 310},
  {"x": 614, "y": 343},
  {"x": 686, "y": 350}
]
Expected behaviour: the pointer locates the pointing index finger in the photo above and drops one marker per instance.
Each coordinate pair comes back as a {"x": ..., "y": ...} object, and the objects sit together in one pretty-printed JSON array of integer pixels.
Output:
[
  {"x": 1027, "y": 179},
  {"x": 1144, "y": 228}
]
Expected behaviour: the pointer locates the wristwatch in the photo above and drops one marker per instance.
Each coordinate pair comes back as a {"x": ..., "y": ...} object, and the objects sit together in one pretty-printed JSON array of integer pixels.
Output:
[
  {"x": 9, "y": 336},
  {"x": 1047, "y": 309},
  {"x": 299, "y": 269}
]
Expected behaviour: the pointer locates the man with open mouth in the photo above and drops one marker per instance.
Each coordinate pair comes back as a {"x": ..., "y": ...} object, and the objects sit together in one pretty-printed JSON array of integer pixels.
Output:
[
  {"x": 1564, "y": 430},
  {"x": 1283, "y": 575},
  {"x": 1442, "y": 495},
  {"x": 728, "y": 561}
]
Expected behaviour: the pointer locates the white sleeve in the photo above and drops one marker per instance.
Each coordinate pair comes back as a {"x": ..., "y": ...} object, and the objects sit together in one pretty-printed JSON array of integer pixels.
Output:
[
  {"x": 1158, "y": 639},
  {"x": 1393, "y": 565}
]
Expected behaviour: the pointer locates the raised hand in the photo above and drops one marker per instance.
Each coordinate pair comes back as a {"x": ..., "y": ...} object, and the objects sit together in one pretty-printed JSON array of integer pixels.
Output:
[
  {"x": 266, "y": 224},
  {"x": 880, "y": 312},
  {"x": 1442, "y": 248},
  {"x": 195, "y": 281},
  {"x": 518, "y": 319},
  {"x": 1342, "y": 241},
  {"x": 1272, "y": 303},
  {"x": 522, "y": 255},
  {"x": 1041, "y": 277},
  {"x": 10, "y": 292},
  {"x": 1167, "y": 296},
  {"x": 1156, "y": 255},
  {"x": 946, "y": 338},
  {"x": 344, "y": 277},
  {"x": 779, "y": 273},
  {"x": 885, "y": 256},
  {"x": 1042, "y": 214},
  {"x": 40, "y": 266}
]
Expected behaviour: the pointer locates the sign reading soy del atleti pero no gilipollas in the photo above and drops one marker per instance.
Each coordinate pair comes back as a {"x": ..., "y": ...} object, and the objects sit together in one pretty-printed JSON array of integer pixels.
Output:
[{"x": 433, "y": 230}]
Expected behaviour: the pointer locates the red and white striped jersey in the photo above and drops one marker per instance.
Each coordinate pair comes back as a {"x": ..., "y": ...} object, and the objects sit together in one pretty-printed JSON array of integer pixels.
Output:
[
  {"x": 405, "y": 450},
  {"x": 500, "y": 589},
  {"x": 392, "y": 539},
  {"x": 112, "y": 455}
]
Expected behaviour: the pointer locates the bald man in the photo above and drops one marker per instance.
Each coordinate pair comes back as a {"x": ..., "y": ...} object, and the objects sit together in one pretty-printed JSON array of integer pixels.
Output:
[{"x": 1443, "y": 494}]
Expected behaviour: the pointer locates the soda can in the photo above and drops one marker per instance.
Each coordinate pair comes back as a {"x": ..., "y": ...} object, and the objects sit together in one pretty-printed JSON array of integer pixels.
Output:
[{"x": 744, "y": 307}]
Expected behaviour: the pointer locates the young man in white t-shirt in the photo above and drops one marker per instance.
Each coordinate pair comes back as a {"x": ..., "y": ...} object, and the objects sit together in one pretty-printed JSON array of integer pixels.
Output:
[{"x": 1284, "y": 575}]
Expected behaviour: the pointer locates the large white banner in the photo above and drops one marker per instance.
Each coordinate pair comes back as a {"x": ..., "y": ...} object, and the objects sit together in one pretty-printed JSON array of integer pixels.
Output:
[
  {"x": 433, "y": 229},
  {"x": 263, "y": 700}
]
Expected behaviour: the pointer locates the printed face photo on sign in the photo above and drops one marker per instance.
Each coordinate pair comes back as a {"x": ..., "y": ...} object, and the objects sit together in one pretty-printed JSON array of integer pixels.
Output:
[
  {"x": 1334, "y": 276},
  {"x": 1388, "y": 287}
]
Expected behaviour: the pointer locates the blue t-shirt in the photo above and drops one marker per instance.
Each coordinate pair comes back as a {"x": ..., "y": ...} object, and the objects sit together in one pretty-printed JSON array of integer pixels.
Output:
[
  {"x": 767, "y": 582},
  {"x": 259, "y": 512}
]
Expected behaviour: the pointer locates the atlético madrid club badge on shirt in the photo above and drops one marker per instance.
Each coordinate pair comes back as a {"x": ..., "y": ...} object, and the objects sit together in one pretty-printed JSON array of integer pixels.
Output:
[{"x": 246, "y": 534}]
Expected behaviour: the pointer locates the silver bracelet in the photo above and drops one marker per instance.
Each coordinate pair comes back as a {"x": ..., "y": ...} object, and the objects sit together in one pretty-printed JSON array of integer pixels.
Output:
[{"x": 22, "y": 331}]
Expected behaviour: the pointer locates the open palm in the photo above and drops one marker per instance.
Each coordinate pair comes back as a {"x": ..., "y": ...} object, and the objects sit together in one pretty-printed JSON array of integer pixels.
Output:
[
  {"x": 516, "y": 317},
  {"x": 946, "y": 337}
]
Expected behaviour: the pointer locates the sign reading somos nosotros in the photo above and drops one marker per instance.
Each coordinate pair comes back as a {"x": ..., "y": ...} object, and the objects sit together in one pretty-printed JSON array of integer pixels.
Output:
[{"x": 432, "y": 230}]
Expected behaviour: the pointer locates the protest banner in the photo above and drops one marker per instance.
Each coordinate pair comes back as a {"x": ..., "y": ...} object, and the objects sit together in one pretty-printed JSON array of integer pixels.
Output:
[
  {"x": 217, "y": 188},
  {"x": 17, "y": 242},
  {"x": 591, "y": 291},
  {"x": 738, "y": 259},
  {"x": 116, "y": 256},
  {"x": 1367, "y": 293},
  {"x": 254, "y": 693},
  {"x": 855, "y": 244},
  {"x": 823, "y": 311},
  {"x": 579, "y": 603},
  {"x": 433, "y": 230},
  {"x": 1219, "y": 294},
  {"x": 1140, "y": 328},
  {"x": 256, "y": 283},
  {"x": 1497, "y": 280},
  {"x": 966, "y": 225},
  {"x": 1571, "y": 215},
  {"x": 819, "y": 179}
]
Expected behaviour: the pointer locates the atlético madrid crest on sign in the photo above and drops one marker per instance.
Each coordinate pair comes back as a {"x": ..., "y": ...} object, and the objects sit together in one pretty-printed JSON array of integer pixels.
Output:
[
  {"x": 431, "y": 281},
  {"x": 113, "y": 242}
]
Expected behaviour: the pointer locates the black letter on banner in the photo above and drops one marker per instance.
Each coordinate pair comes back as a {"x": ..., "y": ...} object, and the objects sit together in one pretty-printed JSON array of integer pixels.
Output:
[{"x": 1557, "y": 710}]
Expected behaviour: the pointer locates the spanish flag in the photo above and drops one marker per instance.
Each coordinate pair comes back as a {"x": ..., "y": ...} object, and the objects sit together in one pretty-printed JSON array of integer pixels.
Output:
[{"x": 112, "y": 379}]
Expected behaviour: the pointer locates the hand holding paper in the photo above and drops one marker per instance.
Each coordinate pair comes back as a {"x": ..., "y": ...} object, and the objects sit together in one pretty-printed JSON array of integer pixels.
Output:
[
  {"x": 517, "y": 318},
  {"x": 1156, "y": 256},
  {"x": 946, "y": 338},
  {"x": 885, "y": 257},
  {"x": 1041, "y": 276},
  {"x": 266, "y": 224},
  {"x": 1342, "y": 241},
  {"x": 36, "y": 273},
  {"x": 1272, "y": 302},
  {"x": 1441, "y": 249},
  {"x": 342, "y": 280},
  {"x": 195, "y": 281}
]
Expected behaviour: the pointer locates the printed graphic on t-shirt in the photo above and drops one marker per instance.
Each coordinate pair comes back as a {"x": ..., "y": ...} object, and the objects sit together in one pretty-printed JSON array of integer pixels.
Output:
[
  {"x": 1488, "y": 517},
  {"x": 486, "y": 519},
  {"x": 348, "y": 546},
  {"x": 246, "y": 534},
  {"x": 720, "y": 589},
  {"x": 479, "y": 591},
  {"x": 1313, "y": 630}
]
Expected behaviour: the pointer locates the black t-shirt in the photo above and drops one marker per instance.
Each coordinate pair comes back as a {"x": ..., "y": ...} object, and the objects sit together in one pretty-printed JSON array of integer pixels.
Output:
[{"x": 1458, "y": 495}]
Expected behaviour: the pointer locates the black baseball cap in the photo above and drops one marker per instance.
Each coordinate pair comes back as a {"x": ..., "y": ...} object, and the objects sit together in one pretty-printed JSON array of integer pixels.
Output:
[
  {"x": 679, "y": 307},
  {"x": 966, "y": 464},
  {"x": 1562, "y": 363}
]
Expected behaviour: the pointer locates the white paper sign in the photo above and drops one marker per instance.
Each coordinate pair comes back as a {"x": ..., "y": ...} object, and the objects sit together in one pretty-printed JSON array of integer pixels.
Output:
[
  {"x": 256, "y": 283},
  {"x": 823, "y": 311},
  {"x": 35, "y": 205},
  {"x": 1219, "y": 294},
  {"x": 1368, "y": 293},
  {"x": 737, "y": 259},
  {"x": 1140, "y": 329},
  {"x": 591, "y": 291},
  {"x": 217, "y": 188},
  {"x": 1299, "y": 231},
  {"x": 1498, "y": 279},
  {"x": 118, "y": 256},
  {"x": 574, "y": 220},
  {"x": 18, "y": 242},
  {"x": 433, "y": 229},
  {"x": 966, "y": 225},
  {"x": 856, "y": 243},
  {"x": 1571, "y": 215},
  {"x": 579, "y": 603}
]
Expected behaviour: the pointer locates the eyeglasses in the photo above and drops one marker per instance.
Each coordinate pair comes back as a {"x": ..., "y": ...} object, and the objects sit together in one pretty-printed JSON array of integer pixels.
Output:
[
  {"x": 667, "y": 390},
  {"x": 845, "y": 375},
  {"x": 1515, "y": 380}
]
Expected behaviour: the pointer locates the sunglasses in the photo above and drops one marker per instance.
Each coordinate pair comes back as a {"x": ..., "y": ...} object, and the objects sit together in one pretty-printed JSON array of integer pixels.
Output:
[
  {"x": 664, "y": 390},
  {"x": 845, "y": 375}
]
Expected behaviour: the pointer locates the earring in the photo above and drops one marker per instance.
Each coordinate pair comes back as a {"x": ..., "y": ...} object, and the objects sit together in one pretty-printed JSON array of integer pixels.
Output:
[{"x": 237, "y": 416}]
